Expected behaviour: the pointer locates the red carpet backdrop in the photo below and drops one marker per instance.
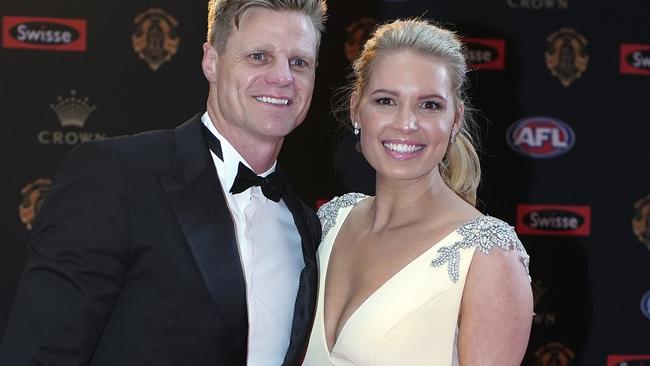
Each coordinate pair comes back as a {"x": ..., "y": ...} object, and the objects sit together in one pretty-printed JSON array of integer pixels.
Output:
[{"x": 562, "y": 86}]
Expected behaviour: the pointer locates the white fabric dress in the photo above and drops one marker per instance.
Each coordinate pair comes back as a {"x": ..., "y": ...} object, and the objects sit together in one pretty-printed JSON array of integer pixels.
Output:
[{"x": 412, "y": 319}]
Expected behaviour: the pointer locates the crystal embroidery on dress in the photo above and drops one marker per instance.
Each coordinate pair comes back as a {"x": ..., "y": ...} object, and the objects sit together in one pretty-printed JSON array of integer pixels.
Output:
[
  {"x": 483, "y": 233},
  {"x": 328, "y": 212}
]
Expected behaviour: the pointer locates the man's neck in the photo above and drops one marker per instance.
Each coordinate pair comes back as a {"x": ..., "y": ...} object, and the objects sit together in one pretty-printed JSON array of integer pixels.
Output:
[{"x": 259, "y": 154}]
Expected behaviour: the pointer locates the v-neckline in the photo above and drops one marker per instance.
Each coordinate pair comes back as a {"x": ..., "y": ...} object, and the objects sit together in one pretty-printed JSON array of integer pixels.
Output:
[{"x": 335, "y": 231}]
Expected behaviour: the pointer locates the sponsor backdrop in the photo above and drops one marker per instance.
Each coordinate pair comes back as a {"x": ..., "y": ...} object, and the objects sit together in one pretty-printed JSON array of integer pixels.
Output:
[{"x": 562, "y": 87}]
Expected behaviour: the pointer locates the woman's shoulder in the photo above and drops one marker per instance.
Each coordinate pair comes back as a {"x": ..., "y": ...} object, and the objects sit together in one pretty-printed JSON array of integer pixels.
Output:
[
  {"x": 484, "y": 233},
  {"x": 329, "y": 211}
]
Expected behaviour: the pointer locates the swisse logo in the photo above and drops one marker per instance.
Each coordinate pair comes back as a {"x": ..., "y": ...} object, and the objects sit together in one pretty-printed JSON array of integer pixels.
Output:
[
  {"x": 44, "y": 33},
  {"x": 635, "y": 59},
  {"x": 486, "y": 53},
  {"x": 628, "y": 360},
  {"x": 540, "y": 137},
  {"x": 554, "y": 220}
]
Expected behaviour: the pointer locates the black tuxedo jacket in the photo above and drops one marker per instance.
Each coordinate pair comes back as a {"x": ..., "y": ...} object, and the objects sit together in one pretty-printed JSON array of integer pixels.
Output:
[{"x": 133, "y": 261}]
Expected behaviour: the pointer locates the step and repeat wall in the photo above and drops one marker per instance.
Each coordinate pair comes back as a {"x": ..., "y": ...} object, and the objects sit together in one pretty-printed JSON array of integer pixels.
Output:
[{"x": 562, "y": 89}]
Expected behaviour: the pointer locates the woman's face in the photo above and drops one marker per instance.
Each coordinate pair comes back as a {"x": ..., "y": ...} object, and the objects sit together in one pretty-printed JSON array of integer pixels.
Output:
[{"x": 406, "y": 115}]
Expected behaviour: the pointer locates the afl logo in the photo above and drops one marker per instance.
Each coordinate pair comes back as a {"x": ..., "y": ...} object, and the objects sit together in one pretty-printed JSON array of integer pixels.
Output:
[
  {"x": 540, "y": 137},
  {"x": 645, "y": 304}
]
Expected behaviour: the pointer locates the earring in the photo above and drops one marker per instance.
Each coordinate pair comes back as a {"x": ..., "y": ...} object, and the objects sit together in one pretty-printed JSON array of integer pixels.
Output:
[
  {"x": 452, "y": 138},
  {"x": 356, "y": 128}
]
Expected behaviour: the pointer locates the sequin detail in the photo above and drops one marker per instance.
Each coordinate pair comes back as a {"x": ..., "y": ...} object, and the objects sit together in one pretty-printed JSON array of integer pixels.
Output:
[
  {"x": 328, "y": 212},
  {"x": 483, "y": 233}
]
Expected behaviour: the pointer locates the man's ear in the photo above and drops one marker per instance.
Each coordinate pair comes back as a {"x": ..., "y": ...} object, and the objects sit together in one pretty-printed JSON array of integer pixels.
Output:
[{"x": 209, "y": 62}]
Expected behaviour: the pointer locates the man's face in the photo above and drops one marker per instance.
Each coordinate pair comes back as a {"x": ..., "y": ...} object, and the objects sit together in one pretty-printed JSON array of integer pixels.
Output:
[{"x": 263, "y": 80}]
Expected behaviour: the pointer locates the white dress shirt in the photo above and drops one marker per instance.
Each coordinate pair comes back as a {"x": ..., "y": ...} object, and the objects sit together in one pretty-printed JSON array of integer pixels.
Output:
[{"x": 271, "y": 256}]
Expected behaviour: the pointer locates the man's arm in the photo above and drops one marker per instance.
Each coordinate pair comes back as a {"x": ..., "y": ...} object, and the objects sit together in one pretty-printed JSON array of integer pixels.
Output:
[{"x": 77, "y": 259}]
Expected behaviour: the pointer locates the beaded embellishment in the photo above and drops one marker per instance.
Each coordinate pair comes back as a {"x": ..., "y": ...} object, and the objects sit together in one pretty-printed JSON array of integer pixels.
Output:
[
  {"x": 327, "y": 212},
  {"x": 483, "y": 233}
]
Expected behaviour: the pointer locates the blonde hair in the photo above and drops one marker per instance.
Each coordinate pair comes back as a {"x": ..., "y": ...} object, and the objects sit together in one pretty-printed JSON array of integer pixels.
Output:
[
  {"x": 223, "y": 15},
  {"x": 460, "y": 168}
]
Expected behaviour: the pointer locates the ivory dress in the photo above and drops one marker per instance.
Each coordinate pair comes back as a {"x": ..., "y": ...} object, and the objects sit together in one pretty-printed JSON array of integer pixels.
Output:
[{"x": 412, "y": 319}]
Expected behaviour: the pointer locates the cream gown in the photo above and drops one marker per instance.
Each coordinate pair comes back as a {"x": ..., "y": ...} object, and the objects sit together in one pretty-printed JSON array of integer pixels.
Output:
[{"x": 412, "y": 319}]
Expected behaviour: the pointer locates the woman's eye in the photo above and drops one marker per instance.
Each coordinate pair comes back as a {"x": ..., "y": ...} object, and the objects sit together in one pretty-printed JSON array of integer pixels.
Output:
[
  {"x": 385, "y": 101},
  {"x": 430, "y": 105}
]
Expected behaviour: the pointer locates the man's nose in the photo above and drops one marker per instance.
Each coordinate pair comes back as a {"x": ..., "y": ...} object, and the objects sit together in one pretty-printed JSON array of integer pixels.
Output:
[{"x": 280, "y": 73}]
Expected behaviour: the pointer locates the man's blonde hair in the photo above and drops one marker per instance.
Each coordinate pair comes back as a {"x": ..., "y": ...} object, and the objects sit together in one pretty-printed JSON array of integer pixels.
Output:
[{"x": 223, "y": 15}]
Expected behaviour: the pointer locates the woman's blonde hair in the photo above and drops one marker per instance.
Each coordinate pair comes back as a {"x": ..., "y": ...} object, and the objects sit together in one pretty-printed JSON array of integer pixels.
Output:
[{"x": 460, "y": 168}]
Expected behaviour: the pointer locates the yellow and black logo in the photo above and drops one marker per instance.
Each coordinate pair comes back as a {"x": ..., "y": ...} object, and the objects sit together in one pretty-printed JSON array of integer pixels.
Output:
[
  {"x": 641, "y": 220},
  {"x": 358, "y": 33},
  {"x": 155, "y": 39},
  {"x": 566, "y": 56},
  {"x": 33, "y": 197},
  {"x": 554, "y": 354}
]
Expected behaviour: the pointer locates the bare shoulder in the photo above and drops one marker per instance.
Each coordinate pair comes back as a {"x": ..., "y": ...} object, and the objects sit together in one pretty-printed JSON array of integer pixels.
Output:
[
  {"x": 487, "y": 235},
  {"x": 498, "y": 242},
  {"x": 499, "y": 268},
  {"x": 497, "y": 304},
  {"x": 329, "y": 211}
]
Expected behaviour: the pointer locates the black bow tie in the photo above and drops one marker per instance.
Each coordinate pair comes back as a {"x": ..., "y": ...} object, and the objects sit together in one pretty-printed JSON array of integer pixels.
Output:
[{"x": 272, "y": 186}]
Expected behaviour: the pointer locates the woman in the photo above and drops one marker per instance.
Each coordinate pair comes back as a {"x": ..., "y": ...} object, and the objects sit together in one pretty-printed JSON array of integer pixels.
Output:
[{"x": 416, "y": 275}]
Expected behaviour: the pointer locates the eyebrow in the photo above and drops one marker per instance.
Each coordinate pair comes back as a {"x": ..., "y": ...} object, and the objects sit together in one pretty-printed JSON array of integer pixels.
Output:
[
  {"x": 396, "y": 94},
  {"x": 385, "y": 91}
]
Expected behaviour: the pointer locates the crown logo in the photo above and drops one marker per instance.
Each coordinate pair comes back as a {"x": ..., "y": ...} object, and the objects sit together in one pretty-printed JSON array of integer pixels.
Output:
[{"x": 72, "y": 111}]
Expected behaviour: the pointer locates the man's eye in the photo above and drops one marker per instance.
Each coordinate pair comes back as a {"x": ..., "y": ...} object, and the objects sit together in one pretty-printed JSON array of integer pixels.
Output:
[
  {"x": 258, "y": 56},
  {"x": 298, "y": 62}
]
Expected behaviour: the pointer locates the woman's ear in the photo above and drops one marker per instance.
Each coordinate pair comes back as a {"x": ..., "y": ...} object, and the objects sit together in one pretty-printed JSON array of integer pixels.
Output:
[
  {"x": 354, "y": 104},
  {"x": 458, "y": 117}
]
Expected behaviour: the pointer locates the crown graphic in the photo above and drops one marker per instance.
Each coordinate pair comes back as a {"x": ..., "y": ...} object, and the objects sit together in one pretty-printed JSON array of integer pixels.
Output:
[{"x": 72, "y": 111}]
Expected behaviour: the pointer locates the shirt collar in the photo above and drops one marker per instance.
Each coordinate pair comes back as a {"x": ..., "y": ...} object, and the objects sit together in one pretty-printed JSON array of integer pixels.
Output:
[{"x": 231, "y": 157}]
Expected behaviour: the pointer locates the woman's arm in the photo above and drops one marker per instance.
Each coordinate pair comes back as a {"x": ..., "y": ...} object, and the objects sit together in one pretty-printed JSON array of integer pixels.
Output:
[{"x": 496, "y": 310}]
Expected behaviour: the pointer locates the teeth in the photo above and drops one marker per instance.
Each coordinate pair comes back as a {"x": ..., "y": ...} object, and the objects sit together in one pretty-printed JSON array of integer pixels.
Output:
[
  {"x": 273, "y": 100},
  {"x": 402, "y": 148}
]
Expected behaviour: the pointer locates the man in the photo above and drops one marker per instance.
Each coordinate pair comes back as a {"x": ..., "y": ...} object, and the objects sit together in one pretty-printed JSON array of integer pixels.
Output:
[{"x": 150, "y": 251}]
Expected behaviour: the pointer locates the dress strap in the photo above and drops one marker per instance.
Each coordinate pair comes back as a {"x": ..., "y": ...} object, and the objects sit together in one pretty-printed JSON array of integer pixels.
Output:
[
  {"x": 483, "y": 233},
  {"x": 328, "y": 212}
]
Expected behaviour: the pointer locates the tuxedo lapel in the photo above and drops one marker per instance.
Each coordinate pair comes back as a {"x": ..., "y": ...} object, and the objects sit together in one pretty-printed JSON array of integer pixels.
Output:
[
  {"x": 195, "y": 195},
  {"x": 306, "y": 297}
]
